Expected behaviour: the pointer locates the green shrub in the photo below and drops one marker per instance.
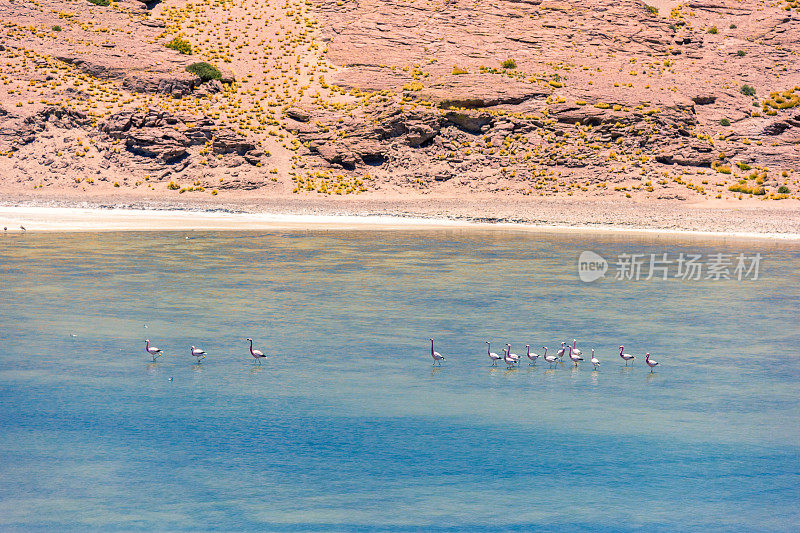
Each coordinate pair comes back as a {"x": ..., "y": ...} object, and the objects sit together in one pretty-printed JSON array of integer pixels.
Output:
[
  {"x": 748, "y": 90},
  {"x": 101, "y": 2},
  {"x": 653, "y": 10},
  {"x": 732, "y": 26},
  {"x": 510, "y": 63},
  {"x": 724, "y": 122},
  {"x": 458, "y": 70},
  {"x": 56, "y": 28},
  {"x": 741, "y": 53},
  {"x": 177, "y": 43},
  {"x": 173, "y": 186},
  {"x": 743, "y": 166},
  {"x": 713, "y": 29},
  {"x": 205, "y": 71},
  {"x": 783, "y": 189}
]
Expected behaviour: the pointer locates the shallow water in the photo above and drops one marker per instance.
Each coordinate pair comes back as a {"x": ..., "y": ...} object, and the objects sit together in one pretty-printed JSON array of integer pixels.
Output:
[{"x": 348, "y": 427}]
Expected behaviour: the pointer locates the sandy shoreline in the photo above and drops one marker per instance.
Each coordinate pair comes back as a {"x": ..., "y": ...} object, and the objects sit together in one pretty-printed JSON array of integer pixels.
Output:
[{"x": 561, "y": 216}]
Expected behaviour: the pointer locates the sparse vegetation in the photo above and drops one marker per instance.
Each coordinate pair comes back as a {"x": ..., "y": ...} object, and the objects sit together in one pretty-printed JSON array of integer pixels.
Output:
[
  {"x": 458, "y": 70},
  {"x": 741, "y": 53},
  {"x": 783, "y": 189},
  {"x": 653, "y": 10},
  {"x": 756, "y": 190},
  {"x": 178, "y": 43},
  {"x": 510, "y": 63},
  {"x": 713, "y": 30},
  {"x": 103, "y": 3},
  {"x": 56, "y": 28},
  {"x": 782, "y": 100},
  {"x": 724, "y": 122}
]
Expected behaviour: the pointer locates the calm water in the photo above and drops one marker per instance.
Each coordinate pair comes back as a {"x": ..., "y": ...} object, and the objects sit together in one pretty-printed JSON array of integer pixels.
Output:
[{"x": 347, "y": 426}]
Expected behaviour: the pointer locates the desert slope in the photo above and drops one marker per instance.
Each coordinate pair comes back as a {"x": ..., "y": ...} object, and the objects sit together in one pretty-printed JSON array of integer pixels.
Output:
[{"x": 603, "y": 101}]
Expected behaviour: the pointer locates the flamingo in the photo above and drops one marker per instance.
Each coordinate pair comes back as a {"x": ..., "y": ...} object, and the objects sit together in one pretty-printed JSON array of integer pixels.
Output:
[
  {"x": 576, "y": 357},
  {"x": 436, "y": 355},
  {"x": 560, "y": 352},
  {"x": 575, "y": 350},
  {"x": 152, "y": 350},
  {"x": 510, "y": 358},
  {"x": 532, "y": 356},
  {"x": 549, "y": 358},
  {"x": 493, "y": 356},
  {"x": 625, "y": 356},
  {"x": 200, "y": 354},
  {"x": 257, "y": 354},
  {"x": 651, "y": 364},
  {"x": 595, "y": 361}
]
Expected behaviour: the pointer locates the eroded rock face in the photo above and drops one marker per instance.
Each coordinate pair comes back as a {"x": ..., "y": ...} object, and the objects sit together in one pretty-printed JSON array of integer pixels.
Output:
[
  {"x": 16, "y": 131},
  {"x": 167, "y": 137},
  {"x": 590, "y": 88}
]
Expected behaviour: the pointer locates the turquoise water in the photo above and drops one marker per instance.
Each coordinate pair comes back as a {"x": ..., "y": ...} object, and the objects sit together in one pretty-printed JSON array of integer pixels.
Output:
[{"x": 346, "y": 426}]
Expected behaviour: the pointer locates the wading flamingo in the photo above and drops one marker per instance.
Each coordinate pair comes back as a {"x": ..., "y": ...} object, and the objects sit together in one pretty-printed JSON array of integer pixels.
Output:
[
  {"x": 257, "y": 354},
  {"x": 152, "y": 350},
  {"x": 595, "y": 361},
  {"x": 511, "y": 359},
  {"x": 437, "y": 357},
  {"x": 651, "y": 364},
  {"x": 560, "y": 352},
  {"x": 575, "y": 350},
  {"x": 576, "y": 357},
  {"x": 532, "y": 356},
  {"x": 200, "y": 354},
  {"x": 493, "y": 356},
  {"x": 549, "y": 358},
  {"x": 626, "y": 356}
]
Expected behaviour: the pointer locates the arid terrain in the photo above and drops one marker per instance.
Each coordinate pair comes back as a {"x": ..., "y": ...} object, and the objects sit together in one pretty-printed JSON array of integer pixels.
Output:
[{"x": 663, "y": 108}]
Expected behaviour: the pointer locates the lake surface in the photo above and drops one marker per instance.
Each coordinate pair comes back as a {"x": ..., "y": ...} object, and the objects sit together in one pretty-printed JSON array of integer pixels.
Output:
[{"x": 346, "y": 426}]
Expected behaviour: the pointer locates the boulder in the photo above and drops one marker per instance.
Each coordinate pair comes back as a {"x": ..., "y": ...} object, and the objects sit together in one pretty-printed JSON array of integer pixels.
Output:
[{"x": 300, "y": 115}]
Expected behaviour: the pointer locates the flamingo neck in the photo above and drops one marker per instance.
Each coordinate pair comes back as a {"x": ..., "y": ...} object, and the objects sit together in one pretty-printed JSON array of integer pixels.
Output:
[{"x": 431, "y": 347}]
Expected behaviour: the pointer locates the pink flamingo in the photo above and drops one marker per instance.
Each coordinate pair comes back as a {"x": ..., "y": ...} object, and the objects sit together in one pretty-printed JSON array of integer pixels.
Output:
[
  {"x": 626, "y": 356},
  {"x": 152, "y": 350},
  {"x": 575, "y": 350},
  {"x": 257, "y": 354},
  {"x": 651, "y": 364},
  {"x": 511, "y": 359},
  {"x": 493, "y": 356},
  {"x": 576, "y": 357},
  {"x": 595, "y": 361},
  {"x": 560, "y": 352},
  {"x": 549, "y": 358},
  {"x": 532, "y": 356},
  {"x": 200, "y": 354},
  {"x": 437, "y": 357}
]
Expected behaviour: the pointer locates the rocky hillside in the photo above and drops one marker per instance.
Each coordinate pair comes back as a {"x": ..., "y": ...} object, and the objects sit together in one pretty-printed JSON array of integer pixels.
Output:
[{"x": 515, "y": 97}]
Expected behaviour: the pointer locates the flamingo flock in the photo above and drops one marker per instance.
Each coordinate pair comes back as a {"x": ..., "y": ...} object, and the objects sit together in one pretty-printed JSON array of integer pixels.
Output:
[
  {"x": 512, "y": 360},
  {"x": 199, "y": 354}
]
